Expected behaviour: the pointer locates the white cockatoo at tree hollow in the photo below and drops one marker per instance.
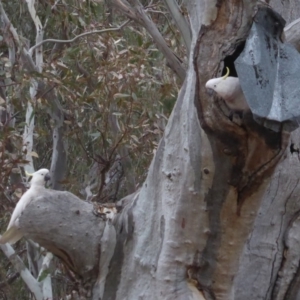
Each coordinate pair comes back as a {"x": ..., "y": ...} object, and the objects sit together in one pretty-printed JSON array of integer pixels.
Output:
[
  {"x": 229, "y": 89},
  {"x": 37, "y": 187}
]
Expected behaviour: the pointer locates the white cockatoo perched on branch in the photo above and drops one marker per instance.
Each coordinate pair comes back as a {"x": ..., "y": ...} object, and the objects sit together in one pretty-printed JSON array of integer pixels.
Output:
[
  {"x": 37, "y": 187},
  {"x": 229, "y": 89}
]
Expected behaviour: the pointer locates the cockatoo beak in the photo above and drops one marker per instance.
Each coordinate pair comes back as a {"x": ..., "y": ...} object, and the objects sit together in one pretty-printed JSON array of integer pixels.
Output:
[
  {"x": 212, "y": 83},
  {"x": 47, "y": 177},
  {"x": 47, "y": 180},
  {"x": 210, "y": 91}
]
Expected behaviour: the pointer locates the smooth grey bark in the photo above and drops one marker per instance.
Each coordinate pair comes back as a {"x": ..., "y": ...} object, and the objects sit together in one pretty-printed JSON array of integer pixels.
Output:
[
  {"x": 180, "y": 21},
  {"x": 218, "y": 215},
  {"x": 59, "y": 153},
  {"x": 289, "y": 10},
  {"x": 66, "y": 226},
  {"x": 292, "y": 33}
]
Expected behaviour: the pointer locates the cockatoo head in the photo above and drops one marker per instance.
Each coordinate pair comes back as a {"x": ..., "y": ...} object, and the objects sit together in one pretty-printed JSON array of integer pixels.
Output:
[
  {"x": 220, "y": 85},
  {"x": 229, "y": 89},
  {"x": 39, "y": 177}
]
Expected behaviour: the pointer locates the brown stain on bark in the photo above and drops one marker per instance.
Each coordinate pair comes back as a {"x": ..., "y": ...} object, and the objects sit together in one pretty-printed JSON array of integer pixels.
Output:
[
  {"x": 246, "y": 155},
  {"x": 253, "y": 149},
  {"x": 183, "y": 223}
]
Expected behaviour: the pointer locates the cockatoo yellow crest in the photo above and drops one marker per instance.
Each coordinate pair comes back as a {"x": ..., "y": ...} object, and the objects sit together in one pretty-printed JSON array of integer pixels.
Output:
[
  {"x": 229, "y": 89},
  {"x": 37, "y": 186}
]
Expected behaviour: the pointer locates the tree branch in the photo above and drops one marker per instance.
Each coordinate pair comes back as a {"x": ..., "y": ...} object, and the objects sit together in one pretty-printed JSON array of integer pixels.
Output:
[
  {"x": 26, "y": 58},
  {"x": 171, "y": 58},
  {"x": 180, "y": 22},
  {"x": 66, "y": 226},
  {"x": 45, "y": 276},
  {"x": 292, "y": 33},
  {"x": 7, "y": 22},
  {"x": 39, "y": 34},
  {"x": 138, "y": 14},
  {"x": 123, "y": 152},
  {"x": 78, "y": 36},
  {"x": 126, "y": 9},
  {"x": 20, "y": 267}
]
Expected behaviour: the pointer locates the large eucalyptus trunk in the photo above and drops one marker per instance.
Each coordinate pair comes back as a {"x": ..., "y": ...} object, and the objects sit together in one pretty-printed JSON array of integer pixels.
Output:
[{"x": 218, "y": 215}]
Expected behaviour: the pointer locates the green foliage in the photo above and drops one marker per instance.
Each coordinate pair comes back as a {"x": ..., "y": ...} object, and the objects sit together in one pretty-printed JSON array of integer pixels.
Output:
[
  {"x": 114, "y": 89},
  {"x": 43, "y": 275}
]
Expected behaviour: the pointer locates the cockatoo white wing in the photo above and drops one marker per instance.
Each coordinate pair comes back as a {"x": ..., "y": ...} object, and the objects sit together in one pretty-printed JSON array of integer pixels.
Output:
[
  {"x": 13, "y": 233},
  {"x": 27, "y": 197}
]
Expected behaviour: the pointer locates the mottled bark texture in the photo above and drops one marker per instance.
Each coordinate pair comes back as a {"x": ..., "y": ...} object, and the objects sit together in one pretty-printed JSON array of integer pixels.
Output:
[
  {"x": 218, "y": 215},
  {"x": 66, "y": 226}
]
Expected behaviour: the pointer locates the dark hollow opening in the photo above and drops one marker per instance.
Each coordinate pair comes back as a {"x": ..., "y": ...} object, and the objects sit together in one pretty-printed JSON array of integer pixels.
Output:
[{"x": 229, "y": 60}]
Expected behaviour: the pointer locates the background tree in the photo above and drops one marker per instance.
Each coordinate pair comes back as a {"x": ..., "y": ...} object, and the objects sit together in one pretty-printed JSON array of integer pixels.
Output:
[
  {"x": 105, "y": 105},
  {"x": 217, "y": 215}
]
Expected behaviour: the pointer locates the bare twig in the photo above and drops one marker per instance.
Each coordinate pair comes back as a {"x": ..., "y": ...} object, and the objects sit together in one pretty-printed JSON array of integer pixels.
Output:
[
  {"x": 78, "y": 36},
  {"x": 10, "y": 84}
]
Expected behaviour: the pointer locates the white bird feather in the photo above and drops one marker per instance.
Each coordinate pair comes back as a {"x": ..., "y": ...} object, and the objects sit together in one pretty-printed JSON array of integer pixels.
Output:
[
  {"x": 37, "y": 187},
  {"x": 229, "y": 89}
]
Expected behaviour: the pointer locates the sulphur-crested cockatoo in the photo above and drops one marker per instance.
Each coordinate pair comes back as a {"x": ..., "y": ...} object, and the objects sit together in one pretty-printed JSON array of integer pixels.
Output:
[
  {"x": 37, "y": 187},
  {"x": 229, "y": 89}
]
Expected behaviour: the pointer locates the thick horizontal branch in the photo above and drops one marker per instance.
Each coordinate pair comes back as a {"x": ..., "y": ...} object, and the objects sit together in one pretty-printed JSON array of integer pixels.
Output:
[{"x": 67, "y": 227}]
